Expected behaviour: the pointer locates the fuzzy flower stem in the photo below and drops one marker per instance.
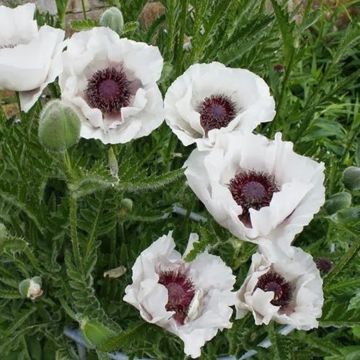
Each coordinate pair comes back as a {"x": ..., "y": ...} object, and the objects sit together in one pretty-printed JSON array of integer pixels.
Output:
[
  {"x": 72, "y": 211},
  {"x": 73, "y": 230},
  {"x": 288, "y": 71},
  {"x": 19, "y": 105}
]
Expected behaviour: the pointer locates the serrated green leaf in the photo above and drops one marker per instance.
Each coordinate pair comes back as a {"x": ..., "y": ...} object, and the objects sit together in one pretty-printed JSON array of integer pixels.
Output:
[
  {"x": 120, "y": 340},
  {"x": 355, "y": 302},
  {"x": 151, "y": 183},
  {"x": 80, "y": 25},
  {"x": 337, "y": 315}
]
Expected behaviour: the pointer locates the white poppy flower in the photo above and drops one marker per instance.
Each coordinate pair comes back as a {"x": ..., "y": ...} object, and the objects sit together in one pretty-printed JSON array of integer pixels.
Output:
[
  {"x": 30, "y": 58},
  {"x": 212, "y": 99},
  {"x": 283, "y": 288},
  {"x": 113, "y": 83},
  {"x": 256, "y": 187},
  {"x": 190, "y": 299}
]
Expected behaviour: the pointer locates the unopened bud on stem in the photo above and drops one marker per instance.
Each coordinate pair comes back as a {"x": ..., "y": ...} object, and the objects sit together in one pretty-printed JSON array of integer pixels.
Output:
[
  {"x": 113, "y": 19},
  {"x": 59, "y": 126}
]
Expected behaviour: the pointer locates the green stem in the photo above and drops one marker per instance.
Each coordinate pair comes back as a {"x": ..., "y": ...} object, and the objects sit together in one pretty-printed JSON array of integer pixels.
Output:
[
  {"x": 288, "y": 70},
  {"x": 83, "y": 9},
  {"x": 170, "y": 20},
  {"x": 67, "y": 166},
  {"x": 19, "y": 105},
  {"x": 122, "y": 232},
  {"x": 72, "y": 211},
  {"x": 73, "y": 231},
  {"x": 180, "y": 44}
]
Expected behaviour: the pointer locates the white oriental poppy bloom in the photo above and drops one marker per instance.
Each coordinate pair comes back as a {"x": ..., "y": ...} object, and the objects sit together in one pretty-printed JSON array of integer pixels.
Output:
[
  {"x": 112, "y": 82},
  {"x": 212, "y": 99},
  {"x": 190, "y": 299},
  {"x": 30, "y": 58},
  {"x": 256, "y": 187},
  {"x": 283, "y": 288}
]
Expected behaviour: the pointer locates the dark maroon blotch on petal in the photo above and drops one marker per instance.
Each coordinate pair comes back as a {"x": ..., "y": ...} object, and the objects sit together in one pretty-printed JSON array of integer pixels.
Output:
[
  {"x": 272, "y": 281},
  {"x": 216, "y": 111},
  {"x": 252, "y": 190},
  {"x": 180, "y": 292}
]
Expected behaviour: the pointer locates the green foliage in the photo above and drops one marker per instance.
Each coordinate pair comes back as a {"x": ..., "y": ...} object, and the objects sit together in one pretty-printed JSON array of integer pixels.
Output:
[
  {"x": 281, "y": 346},
  {"x": 86, "y": 24},
  {"x": 62, "y": 216}
]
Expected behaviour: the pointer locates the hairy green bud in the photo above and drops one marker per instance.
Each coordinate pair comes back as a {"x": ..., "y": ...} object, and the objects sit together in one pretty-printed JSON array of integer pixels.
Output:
[
  {"x": 351, "y": 178},
  {"x": 126, "y": 206},
  {"x": 337, "y": 202},
  {"x": 113, "y": 19},
  {"x": 59, "y": 126}
]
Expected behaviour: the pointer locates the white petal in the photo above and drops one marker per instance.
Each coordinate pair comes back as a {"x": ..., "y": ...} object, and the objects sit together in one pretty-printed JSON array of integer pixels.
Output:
[
  {"x": 299, "y": 179},
  {"x": 210, "y": 309},
  {"x": 247, "y": 91},
  {"x": 98, "y": 49},
  {"x": 27, "y": 67},
  {"x": 54, "y": 37},
  {"x": 210, "y": 271},
  {"x": 300, "y": 271},
  {"x": 17, "y": 26},
  {"x": 145, "y": 61}
]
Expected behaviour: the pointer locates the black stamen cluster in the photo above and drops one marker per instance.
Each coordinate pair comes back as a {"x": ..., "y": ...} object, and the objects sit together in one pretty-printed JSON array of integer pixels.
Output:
[
  {"x": 271, "y": 281},
  {"x": 108, "y": 90},
  {"x": 216, "y": 112},
  {"x": 252, "y": 190}
]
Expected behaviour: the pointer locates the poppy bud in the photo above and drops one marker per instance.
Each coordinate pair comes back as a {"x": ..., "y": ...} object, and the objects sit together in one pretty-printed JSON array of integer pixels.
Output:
[
  {"x": 59, "y": 126},
  {"x": 351, "y": 178},
  {"x": 113, "y": 19}
]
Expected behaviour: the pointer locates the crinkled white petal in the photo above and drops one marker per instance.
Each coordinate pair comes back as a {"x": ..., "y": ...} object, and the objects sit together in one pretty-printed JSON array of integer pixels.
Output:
[
  {"x": 35, "y": 59},
  {"x": 300, "y": 271},
  {"x": 53, "y": 41},
  {"x": 17, "y": 25},
  {"x": 101, "y": 48},
  {"x": 215, "y": 279},
  {"x": 248, "y": 92},
  {"x": 299, "y": 179},
  {"x": 210, "y": 310}
]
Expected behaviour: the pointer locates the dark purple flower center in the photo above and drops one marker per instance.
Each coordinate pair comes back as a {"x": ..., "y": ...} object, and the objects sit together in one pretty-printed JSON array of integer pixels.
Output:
[
  {"x": 252, "y": 190},
  {"x": 180, "y": 292},
  {"x": 271, "y": 281},
  {"x": 108, "y": 90},
  {"x": 216, "y": 112},
  {"x": 324, "y": 265}
]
